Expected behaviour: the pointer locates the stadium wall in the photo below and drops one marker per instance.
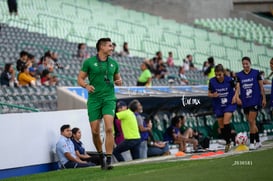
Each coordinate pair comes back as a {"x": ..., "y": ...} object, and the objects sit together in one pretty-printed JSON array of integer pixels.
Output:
[
  {"x": 252, "y": 5},
  {"x": 28, "y": 140}
]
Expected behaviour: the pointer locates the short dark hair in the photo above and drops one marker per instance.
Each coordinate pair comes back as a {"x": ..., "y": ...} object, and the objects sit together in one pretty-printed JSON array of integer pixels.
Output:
[
  {"x": 80, "y": 45},
  {"x": 246, "y": 58},
  {"x": 30, "y": 56},
  {"x": 211, "y": 60},
  {"x": 175, "y": 120},
  {"x": 102, "y": 41},
  {"x": 65, "y": 126},
  {"x": 133, "y": 105},
  {"x": 23, "y": 53},
  {"x": 219, "y": 68}
]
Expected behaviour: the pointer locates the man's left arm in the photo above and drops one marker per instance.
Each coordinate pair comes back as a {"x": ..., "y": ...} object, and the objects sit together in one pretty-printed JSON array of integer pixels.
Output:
[{"x": 117, "y": 79}]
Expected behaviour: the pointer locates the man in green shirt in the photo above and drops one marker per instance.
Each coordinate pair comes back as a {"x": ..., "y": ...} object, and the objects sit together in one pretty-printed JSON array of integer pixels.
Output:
[
  {"x": 130, "y": 131},
  {"x": 103, "y": 73}
]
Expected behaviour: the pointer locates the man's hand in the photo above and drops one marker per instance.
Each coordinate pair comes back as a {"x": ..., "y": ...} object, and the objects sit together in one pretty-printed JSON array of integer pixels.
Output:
[
  {"x": 118, "y": 82},
  {"x": 90, "y": 88}
]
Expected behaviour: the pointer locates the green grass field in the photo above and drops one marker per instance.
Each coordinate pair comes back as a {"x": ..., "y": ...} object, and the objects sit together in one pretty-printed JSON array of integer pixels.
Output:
[{"x": 249, "y": 166}]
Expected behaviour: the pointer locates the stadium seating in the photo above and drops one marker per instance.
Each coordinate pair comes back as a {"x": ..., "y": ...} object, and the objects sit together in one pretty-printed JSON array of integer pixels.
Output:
[
  {"x": 145, "y": 33},
  {"x": 239, "y": 28}
]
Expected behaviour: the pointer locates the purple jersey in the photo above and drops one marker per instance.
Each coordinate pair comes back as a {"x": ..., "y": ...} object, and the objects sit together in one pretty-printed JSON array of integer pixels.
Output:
[
  {"x": 225, "y": 91},
  {"x": 250, "y": 92}
]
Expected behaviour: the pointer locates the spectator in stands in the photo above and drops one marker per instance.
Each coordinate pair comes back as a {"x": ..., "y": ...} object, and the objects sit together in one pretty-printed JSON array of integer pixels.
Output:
[
  {"x": 271, "y": 95},
  {"x": 32, "y": 72},
  {"x": 157, "y": 59},
  {"x": 152, "y": 66},
  {"x": 156, "y": 147},
  {"x": 50, "y": 62},
  {"x": 182, "y": 77},
  {"x": 222, "y": 90},
  {"x": 130, "y": 131},
  {"x": 145, "y": 78},
  {"x": 25, "y": 79},
  {"x": 47, "y": 79},
  {"x": 32, "y": 61},
  {"x": 55, "y": 58},
  {"x": 205, "y": 66},
  {"x": 8, "y": 76},
  {"x": 80, "y": 150},
  {"x": 170, "y": 61},
  {"x": 161, "y": 71},
  {"x": 173, "y": 134},
  {"x": 210, "y": 70},
  {"x": 82, "y": 52},
  {"x": 125, "y": 50},
  {"x": 45, "y": 63},
  {"x": 186, "y": 62},
  {"x": 22, "y": 61},
  {"x": 12, "y": 5},
  {"x": 252, "y": 98},
  {"x": 66, "y": 151},
  {"x": 188, "y": 133},
  {"x": 115, "y": 53},
  {"x": 144, "y": 128}
]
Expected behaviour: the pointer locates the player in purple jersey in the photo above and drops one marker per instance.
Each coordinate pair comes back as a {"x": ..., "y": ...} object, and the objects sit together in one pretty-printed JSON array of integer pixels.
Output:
[
  {"x": 222, "y": 91},
  {"x": 252, "y": 97}
]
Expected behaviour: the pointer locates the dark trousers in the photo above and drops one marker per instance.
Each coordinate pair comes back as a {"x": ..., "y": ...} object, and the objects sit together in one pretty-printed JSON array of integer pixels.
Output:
[
  {"x": 129, "y": 144},
  {"x": 12, "y": 4},
  {"x": 71, "y": 164}
]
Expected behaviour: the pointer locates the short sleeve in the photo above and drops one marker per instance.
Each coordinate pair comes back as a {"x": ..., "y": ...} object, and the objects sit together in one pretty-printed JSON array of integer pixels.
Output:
[
  {"x": 117, "y": 68},
  {"x": 85, "y": 67},
  {"x": 211, "y": 88}
]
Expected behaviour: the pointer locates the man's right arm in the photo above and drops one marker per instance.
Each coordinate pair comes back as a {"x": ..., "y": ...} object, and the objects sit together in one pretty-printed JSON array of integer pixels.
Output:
[
  {"x": 81, "y": 79},
  {"x": 71, "y": 158}
]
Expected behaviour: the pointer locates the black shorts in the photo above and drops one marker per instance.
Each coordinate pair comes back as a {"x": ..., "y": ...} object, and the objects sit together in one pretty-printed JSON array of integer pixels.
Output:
[{"x": 251, "y": 109}]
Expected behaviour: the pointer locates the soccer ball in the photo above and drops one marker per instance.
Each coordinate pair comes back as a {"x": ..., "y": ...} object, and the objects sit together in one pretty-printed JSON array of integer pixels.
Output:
[{"x": 241, "y": 139}]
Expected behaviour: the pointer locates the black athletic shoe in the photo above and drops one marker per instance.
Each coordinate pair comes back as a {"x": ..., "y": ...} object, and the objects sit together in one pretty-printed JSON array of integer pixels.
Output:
[
  {"x": 108, "y": 167},
  {"x": 102, "y": 162}
]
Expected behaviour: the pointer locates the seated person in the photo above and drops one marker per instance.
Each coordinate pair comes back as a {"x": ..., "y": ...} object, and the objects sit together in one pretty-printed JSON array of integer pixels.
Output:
[
  {"x": 24, "y": 78},
  {"x": 79, "y": 148},
  {"x": 145, "y": 78},
  {"x": 66, "y": 151},
  {"x": 47, "y": 79},
  {"x": 188, "y": 133},
  {"x": 161, "y": 71},
  {"x": 130, "y": 131},
  {"x": 156, "y": 147},
  {"x": 173, "y": 135},
  {"x": 8, "y": 76},
  {"x": 183, "y": 78}
]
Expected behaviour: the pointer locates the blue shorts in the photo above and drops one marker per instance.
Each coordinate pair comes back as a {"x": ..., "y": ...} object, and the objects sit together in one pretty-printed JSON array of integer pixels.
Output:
[{"x": 220, "y": 111}]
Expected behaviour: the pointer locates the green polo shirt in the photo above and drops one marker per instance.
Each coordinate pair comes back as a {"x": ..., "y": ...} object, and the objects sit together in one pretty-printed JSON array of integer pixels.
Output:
[
  {"x": 129, "y": 124},
  {"x": 144, "y": 76},
  {"x": 97, "y": 72}
]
